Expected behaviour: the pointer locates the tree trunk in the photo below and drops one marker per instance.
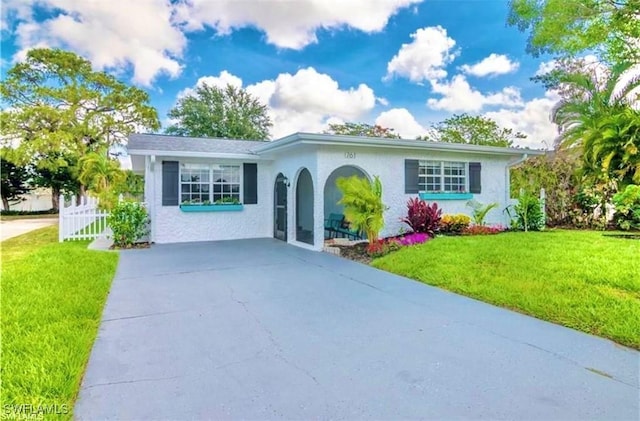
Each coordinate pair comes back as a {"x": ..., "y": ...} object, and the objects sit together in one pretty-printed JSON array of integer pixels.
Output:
[
  {"x": 55, "y": 199},
  {"x": 5, "y": 203},
  {"x": 81, "y": 194}
]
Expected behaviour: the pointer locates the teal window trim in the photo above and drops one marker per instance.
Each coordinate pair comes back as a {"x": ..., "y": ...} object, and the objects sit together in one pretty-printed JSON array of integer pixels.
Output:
[
  {"x": 212, "y": 208},
  {"x": 445, "y": 196}
]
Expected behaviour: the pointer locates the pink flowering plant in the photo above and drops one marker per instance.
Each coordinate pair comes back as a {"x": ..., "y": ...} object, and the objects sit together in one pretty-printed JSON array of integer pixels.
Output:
[{"x": 414, "y": 238}]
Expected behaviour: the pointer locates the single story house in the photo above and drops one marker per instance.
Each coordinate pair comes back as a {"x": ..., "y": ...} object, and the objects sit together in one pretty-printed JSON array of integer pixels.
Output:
[{"x": 286, "y": 188}]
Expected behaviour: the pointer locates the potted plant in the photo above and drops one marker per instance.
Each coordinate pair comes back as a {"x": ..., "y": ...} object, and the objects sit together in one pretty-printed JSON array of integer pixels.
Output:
[{"x": 227, "y": 203}]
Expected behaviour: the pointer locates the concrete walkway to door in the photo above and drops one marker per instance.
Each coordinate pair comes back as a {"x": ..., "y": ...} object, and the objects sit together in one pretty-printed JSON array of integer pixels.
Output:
[{"x": 259, "y": 329}]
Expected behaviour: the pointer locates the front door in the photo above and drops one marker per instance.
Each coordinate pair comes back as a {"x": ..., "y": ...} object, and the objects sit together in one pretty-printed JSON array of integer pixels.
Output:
[{"x": 280, "y": 208}]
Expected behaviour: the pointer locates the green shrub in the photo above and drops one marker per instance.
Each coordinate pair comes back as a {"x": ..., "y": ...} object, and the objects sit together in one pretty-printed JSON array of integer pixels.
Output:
[
  {"x": 627, "y": 203},
  {"x": 480, "y": 211},
  {"x": 528, "y": 214},
  {"x": 454, "y": 224},
  {"x": 128, "y": 221}
]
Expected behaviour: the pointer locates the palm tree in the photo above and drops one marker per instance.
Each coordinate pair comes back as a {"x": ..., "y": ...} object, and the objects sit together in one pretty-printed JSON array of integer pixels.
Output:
[
  {"x": 363, "y": 207},
  {"x": 100, "y": 174},
  {"x": 597, "y": 118},
  {"x": 614, "y": 148}
]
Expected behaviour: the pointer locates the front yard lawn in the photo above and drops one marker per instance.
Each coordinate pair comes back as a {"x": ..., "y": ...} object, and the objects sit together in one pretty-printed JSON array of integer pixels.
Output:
[
  {"x": 585, "y": 280},
  {"x": 52, "y": 300}
]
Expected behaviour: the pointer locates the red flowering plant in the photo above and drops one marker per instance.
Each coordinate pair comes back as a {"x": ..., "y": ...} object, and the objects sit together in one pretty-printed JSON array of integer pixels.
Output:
[
  {"x": 422, "y": 217},
  {"x": 382, "y": 247}
]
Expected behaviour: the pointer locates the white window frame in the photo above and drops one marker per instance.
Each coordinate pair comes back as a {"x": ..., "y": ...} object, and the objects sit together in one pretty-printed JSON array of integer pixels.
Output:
[
  {"x": 422, "y": 178},
  {"x": 210, "y": 168}
]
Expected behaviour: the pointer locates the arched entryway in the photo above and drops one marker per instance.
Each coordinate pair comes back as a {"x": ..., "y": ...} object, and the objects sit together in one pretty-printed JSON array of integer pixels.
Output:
[
  {"x": 280, "y": 208},
  {"x": 331, "y": 192},
  {"x": 304, "y": 207}
]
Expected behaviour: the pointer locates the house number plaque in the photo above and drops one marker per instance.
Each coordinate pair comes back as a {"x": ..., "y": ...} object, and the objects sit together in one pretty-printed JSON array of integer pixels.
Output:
[{"x": 350, "y": 155}]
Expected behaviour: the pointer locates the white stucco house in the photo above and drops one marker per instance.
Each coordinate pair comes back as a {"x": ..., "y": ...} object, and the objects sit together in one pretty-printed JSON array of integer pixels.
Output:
[{"x": 286, "y": 188}]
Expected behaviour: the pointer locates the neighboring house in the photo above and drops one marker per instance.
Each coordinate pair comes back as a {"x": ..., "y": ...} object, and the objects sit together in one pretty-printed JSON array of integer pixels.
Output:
[
  {"x": 36, "y": 200},
  {"x": 287, "y": 187}
]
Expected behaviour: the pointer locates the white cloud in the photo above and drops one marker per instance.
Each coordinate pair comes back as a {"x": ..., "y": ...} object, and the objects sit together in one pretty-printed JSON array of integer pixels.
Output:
[
  {"x": 459, "y": 96},
  {"x": 221, "y": 81},
  {"x": 494, "y": 64},
  {"x": 545, "y": 67},
  {"x": 149, "y": 35},
  {"x": 533, "y": 119},
  {"x": 304, "y": 101},
  {"x": 311, "y": 91},
  {"x": 287, "y": 24},
  {"x": 426, "y": 57},
  {"x": 141, "y": 35},
  {"x": 402, "y": 122}
]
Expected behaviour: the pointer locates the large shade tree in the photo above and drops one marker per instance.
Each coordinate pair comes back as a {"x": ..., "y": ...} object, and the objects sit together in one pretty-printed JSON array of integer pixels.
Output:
[
  {"x": 609, "y": 29},
  {"x": 362, "y": 129},
  {"x": 473, "y": 130},
  {"x": 56, "y": 108},
  {"x": 230, "y": 112}
]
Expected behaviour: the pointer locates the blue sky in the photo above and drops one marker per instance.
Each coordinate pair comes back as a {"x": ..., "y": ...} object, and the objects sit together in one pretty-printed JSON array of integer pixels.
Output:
[{"x": 400, "y": 63}]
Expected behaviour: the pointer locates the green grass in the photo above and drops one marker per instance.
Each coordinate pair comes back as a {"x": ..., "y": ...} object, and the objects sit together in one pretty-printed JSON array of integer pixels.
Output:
[
  {"x": 584, "y": 280},
  {"x": 52, "y": 300},
  {"x": 99, "y": 225},
  {"x": 40, "y": 216}
]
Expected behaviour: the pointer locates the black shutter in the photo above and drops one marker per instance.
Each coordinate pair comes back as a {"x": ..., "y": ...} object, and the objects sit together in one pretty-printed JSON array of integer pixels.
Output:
[
  {"x": 250, "y": 185},
  {"x": 475, "y": 183},
  {"x": 170, "y": 175},
  {"x": 411, "y": 177}
]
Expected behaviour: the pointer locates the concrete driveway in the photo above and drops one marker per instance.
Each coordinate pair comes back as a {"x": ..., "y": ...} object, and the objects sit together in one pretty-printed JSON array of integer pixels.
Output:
[
  {"x": 14, "y": 227},
  {"x": 263, "y": 330}
]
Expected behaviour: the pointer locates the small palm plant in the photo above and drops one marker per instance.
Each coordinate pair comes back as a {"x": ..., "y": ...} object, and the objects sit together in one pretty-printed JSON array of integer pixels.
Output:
[
  {"x": 101, "y": 174},
  {"x": 479, "y": 211},
  {"x": 363, "y": 207}
]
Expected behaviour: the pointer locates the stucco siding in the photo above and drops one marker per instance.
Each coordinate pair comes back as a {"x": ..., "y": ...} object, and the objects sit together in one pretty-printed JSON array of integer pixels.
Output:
[
  {"x": 290, "y": 165},
  {"x": 171, "y": 225},
  {"x": 389, "y": 166}
]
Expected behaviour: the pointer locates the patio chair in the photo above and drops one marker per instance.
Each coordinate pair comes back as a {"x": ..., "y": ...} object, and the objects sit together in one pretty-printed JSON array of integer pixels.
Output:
[
  {"x": 346, "y": 231},
  {"x": 333, "y": 223}
]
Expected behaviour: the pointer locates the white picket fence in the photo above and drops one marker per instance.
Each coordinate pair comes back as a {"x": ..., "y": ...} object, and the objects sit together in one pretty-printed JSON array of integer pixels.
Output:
[{"x": 81, "y": 222}]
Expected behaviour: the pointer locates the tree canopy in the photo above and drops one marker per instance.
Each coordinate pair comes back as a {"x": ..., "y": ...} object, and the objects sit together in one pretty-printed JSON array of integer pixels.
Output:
[
  {"x": 362, "y": 129},
  {"x": 56, "y": 108},
  {"x": 14, "y": 183},
  {"x": 229, "y": 112},
  {"x": 473, "y": 130},
  {"x": 568, "y": 28}
]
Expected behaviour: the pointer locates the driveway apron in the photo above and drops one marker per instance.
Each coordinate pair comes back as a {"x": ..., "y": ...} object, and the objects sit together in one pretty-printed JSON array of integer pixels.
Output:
[{"x": 258, "y": 329}]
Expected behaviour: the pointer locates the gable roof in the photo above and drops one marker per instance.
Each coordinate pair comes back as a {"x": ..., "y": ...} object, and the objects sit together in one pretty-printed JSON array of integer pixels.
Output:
[
  {"x": 158, "y": 144},
  {"x": 377, "y": 142}
]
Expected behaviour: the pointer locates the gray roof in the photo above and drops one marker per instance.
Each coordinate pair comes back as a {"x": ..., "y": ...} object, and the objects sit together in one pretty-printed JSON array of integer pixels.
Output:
[
  {"x": 165, "y": 143},
  {"x": 157, "y": 144}
]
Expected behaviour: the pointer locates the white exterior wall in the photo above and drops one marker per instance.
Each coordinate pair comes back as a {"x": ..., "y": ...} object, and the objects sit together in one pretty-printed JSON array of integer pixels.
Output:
[
  {"x": 290, "y": 164},
  {"x": 171, "y": 225},
  {"x": 389, "y": 166},
  {"x": 36, "y": 200}
]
